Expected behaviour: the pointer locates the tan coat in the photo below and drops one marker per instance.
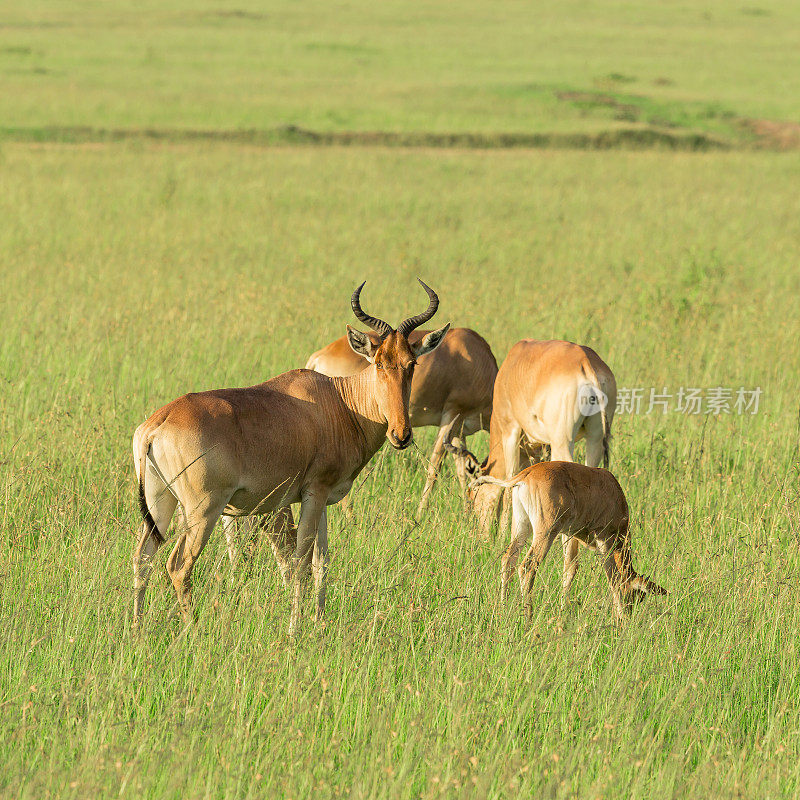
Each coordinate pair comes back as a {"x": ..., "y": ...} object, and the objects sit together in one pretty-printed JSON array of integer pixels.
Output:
[
  {"x": 549, "y": 393},
  {"x": 580, "y": 504},
  {"x": 452, "y": 387},
  {"x": 300, "y": 437}
]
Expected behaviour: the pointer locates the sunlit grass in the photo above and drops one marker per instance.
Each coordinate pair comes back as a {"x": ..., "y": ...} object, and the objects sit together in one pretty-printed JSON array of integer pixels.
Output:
[
  {"x": 393, "y": 66},
  {"x": 133, "y": 274}
]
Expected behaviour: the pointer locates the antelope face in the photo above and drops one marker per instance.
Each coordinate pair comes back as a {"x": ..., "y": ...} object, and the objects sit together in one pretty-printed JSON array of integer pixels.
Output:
[
  {"x": 635, "y": 590},
  {"x": 633, "y": 587},
  {"x": 394, "y": 368},
  {"x": 393, "y": 360}
]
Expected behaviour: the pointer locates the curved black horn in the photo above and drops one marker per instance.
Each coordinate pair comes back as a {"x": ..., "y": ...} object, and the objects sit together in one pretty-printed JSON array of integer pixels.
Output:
[
  {"x": 378, "y": 325},
  {"x": 408, "y": 325}
]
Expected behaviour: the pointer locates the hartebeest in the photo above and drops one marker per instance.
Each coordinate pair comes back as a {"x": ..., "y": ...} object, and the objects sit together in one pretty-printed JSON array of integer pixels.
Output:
[
  {"x": 546, "y": 393},
  {"x": 300, "y": 437},
  {"x": 452, "y": 388},
  {"x": 584, "y": 505}
]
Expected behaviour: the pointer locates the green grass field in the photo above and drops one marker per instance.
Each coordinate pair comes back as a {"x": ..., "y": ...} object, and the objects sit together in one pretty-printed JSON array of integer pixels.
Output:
[
  {"x": 135, "y": 271},
  {"x": 135, "y": 274},
  {"x": 430, "y": 67}
]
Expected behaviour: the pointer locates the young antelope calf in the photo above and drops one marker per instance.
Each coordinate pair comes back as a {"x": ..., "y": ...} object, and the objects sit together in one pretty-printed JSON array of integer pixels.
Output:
[{"x": 577, "y": 502}]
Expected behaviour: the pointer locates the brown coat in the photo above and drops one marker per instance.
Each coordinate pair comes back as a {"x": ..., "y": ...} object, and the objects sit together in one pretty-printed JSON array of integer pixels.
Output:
[
  {"x": 546, "y": 393},
  {"x": 300, "y": 437},
  {"x": 451, "y": 389},
  {"x": 581, "y": 504}
]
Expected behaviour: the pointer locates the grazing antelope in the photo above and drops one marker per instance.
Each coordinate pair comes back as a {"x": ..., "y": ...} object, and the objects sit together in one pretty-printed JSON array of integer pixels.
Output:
[
  {"x": 452, "y": 388},
  {"x": 546, "y": 393},
  {"x": 584, "y": 505},
  {"x": 300, "y": 437}
]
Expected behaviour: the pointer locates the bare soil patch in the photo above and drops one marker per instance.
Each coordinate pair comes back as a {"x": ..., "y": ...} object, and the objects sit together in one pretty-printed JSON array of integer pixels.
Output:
[{"x": 774, "y": 134}]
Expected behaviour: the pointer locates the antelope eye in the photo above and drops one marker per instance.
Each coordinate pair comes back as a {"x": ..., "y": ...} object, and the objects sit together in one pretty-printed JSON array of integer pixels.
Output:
[{"x": 378, "y": 366}]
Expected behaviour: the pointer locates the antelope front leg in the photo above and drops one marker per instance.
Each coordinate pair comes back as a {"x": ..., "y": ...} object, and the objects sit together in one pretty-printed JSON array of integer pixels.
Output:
[
  {"x": 562, "y": 450},
  {"x": 435, "y": 463},
  {"x": 312, "y": 508},
  {"x": 319, "y": 564},
  {"x": 461, "y": 472},
  {"x": 611, "y": 562}
]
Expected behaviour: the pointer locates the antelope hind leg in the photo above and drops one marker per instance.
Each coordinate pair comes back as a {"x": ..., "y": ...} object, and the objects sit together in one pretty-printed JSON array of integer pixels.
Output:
[
  {"x": 200, "y": 523},
  {"x": 571, "y": 548},
  {"x": 542, "y": 541},
  {"x": 161, "y": 504},
  {"x": 520, "y": 533},
  {"x": 282, "y": 537}
]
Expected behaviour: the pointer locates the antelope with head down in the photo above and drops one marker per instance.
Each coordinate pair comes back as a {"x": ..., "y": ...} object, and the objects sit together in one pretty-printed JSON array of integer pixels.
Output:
[
  {"x": 452, "y": 388},
  {"x": 584, "y": 505},
  {"x": 546, "y": 393},
  {"x": 300, "y": 437}
]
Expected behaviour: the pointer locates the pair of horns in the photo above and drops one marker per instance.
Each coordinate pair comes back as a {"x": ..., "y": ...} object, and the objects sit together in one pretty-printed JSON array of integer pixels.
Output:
[{"x": 407, "y": 325}]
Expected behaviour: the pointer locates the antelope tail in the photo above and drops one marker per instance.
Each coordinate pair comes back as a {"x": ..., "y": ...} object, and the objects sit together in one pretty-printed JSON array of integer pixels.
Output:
[
  {"x": 150, "y": 523},
  {"x": 603, "y": 417},
  {"x": 494, "y": 481}
]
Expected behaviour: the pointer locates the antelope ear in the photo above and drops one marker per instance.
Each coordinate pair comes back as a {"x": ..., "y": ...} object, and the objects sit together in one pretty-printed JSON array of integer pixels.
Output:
[
  {"x": 361, "y": 343},
  {"x": 429, "y": 342}
]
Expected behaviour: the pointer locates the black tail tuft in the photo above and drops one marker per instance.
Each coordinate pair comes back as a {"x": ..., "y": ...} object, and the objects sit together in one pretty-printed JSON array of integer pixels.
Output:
[
  {"x": 152, "y": 528},
  {"x": 606, "y": 456}
]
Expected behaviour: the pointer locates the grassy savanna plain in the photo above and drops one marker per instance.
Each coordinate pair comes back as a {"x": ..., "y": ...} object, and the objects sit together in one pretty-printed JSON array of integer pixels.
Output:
[
  {"x": 133, "y": 273},
  {"x": 428, "y": 68}
]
